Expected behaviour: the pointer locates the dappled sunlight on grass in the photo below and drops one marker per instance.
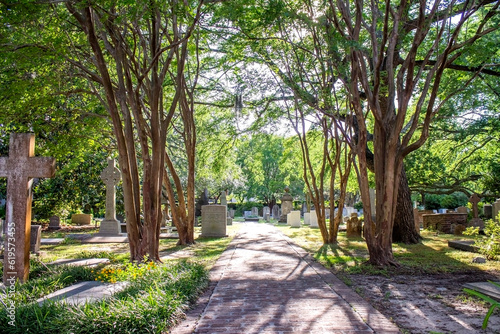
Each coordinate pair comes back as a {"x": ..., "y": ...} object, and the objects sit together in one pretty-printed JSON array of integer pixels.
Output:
[{"x": 349, "y": 256}]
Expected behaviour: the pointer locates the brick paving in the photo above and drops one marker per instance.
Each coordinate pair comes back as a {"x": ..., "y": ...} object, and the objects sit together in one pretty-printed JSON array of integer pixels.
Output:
[{"x": 264, "y": 283}]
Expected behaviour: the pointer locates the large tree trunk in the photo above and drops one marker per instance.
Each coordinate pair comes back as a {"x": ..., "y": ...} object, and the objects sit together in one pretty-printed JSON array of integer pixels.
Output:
[{"x": 404, "y": 223}]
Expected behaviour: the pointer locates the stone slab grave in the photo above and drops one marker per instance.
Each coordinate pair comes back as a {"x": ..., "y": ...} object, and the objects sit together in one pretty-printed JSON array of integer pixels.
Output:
[
  {"x": 111, "y": 177},
  {"x": 20, "y": 167},
  {"x": 84, "y": 292},
  {"x": 213, "y": 221},
  {"x": 486, "y": 288},
  {"x": 293, "y": 219},
  {"x": 80, "y": 262},
  {"x": 465, "y": 245},
  {"x": 276, "y": 212}
]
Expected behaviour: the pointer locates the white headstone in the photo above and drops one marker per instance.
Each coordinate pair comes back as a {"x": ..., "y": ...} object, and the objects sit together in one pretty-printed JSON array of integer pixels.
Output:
[
  {"x": 293, "y": 219},
  {"x": 213, "y": 220},
  {"x": 223, "y": 198},
  {"x": 255, "y": 211},
  {"x": 307, "y": 218},
  {"x": 266, "y": 211},
  {"x": 313, "y": 219}
]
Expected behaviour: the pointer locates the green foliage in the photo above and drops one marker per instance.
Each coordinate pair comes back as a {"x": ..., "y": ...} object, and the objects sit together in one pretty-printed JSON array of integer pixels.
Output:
[
  {"x": 490, "y": 245},
  {"x": 494, "y": 303},
  {"x": 149, "y": 304},
  {"x": 434, "y": 201}
]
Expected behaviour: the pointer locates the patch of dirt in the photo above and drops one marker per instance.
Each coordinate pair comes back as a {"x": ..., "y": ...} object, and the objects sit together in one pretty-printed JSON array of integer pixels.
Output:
[{"x": 429, "y": 303}]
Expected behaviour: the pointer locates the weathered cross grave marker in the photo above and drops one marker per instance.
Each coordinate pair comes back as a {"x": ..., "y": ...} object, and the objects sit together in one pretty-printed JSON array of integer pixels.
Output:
[
  {"x": 111, "y": 177},
  {"x": 475, "y": 221},
  {"x": 19, "y": 168}
]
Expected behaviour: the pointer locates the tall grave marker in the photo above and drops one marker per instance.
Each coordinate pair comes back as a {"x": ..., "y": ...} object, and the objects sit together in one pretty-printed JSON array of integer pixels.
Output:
[
  {"x": 20, "y": 167},
  {"x": 111, "y": 177}
]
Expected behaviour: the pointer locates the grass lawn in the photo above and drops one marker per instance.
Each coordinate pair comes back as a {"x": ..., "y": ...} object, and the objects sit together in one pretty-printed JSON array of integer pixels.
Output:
[
  {"x": 431, "y": 256},
  {"x": 156, "y": 297}
]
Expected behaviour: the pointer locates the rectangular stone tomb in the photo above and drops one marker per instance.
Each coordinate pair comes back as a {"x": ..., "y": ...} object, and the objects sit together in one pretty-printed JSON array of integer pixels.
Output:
[
  {"x": 213, "y": 220},
  {"x": 465, "y": 245},
  {"x": 486, "y": 288},
  {"x": 442, "y": 222},
  {"x": 84, "y": 292},
  {"x": 81, "y": 219},
  {"x": 293, "y": 219}
]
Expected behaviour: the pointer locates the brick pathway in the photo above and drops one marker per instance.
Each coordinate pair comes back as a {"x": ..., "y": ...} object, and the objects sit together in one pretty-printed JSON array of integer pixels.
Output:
[{"x": 264, "y": 283}]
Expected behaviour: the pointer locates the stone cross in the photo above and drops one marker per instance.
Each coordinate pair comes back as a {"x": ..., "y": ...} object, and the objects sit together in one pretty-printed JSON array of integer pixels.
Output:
[
  {"x": 19, "y": 168},
  {"x": 474, "y": 199},
  {"x": 111, "y": 177}
]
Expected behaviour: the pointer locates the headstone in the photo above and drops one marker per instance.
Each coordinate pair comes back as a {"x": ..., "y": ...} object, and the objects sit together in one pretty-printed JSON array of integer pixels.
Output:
[
  {"x": 231, "y": 213},
  {"x": 474, "y": 199},
  {"x": 475, "y": 221},
  {"x": 442, "y": 211},
  {"x": 496, "y": 209},
  {"x": 293, "y": 219},
  {"x": 373, "y": 203},
  {"x": 327, "y": 213},
  {"x": 247, "y": 214},
  {"x": 303, "y": 210},
  {"x": 459, "y": 229},
  {"x": 354, "y": 226},
  {"x": 19, "y": 168},
  {"x": 307, "y": 218},
  {"x": 229, "y": 221},
  {"x": 36, "y": 236},
  {"x": 111, "y": 177},
  {"x": 213, "y": 221},
  {"x": 276, "y": 211},
  {"x": 223, "y": 198},
  {"x": 286, "y": 205},
  {"x": 488, "y": 211},
  {"x": 203, "y": 200},
  {"x": 54, "y": 223},
  {"x": 81, "y": 219},
  {"x": 313, "y": 219},
  {"x": 255, "y": 211},
  {"x": 266, "y": 211},
  {"x": 462, "y": 209}
]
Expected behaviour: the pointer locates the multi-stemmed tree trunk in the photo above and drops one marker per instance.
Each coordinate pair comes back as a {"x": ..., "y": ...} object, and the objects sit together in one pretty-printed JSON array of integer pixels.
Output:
[
  {"x": 398, "y": 88},
  {"x": 134, "y": 54}
]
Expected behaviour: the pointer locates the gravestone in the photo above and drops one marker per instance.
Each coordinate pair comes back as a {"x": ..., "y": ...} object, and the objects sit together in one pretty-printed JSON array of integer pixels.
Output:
[
  {"x": 19, "y": 168},
  {"x": 213, "y": 220},
  {"x": 307, "y": 218},
  {"x": 373, "y": 203},
  {"x": 203, "y": 200},
  {"x": 496, "y": 209},
  {"x": 303, "y": 209},
  {"x": 223, "y": 198},
  {"x": 266, "y": 212},
  {"x": 293, "y": 218},
  {"x": 247, "y": 214},
  {"x": 276, "y": 211},
  {"x": 54, "y": 223},
  {"x": 111, "y": 177},
  {"x": 81, "y": 219},
  {"x": 475, "y": 221},
  {"x": 231, "y": 213},
  {"x": 327, "y": 213},
  {"x": 488, "y": 211},
  {"x": 313, "y": 219},
  {"x": 229, "y": 221},
  {"x": 36, "y": 237},
  {"x": 286, "y": 205},
  {"x": 462, "y": 209},
  {"x": 354, "y": 226},
  {"x": 255, "y": 211}
]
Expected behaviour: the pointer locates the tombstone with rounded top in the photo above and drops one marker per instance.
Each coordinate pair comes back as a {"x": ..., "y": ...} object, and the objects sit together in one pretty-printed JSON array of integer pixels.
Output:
[{"x": 313, "y": 219}]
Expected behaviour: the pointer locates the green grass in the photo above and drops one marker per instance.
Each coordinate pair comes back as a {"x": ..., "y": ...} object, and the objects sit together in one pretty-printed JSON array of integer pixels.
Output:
[
  {"x": 154, "y": 300},
  {"x": 349, "y": 256}
]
